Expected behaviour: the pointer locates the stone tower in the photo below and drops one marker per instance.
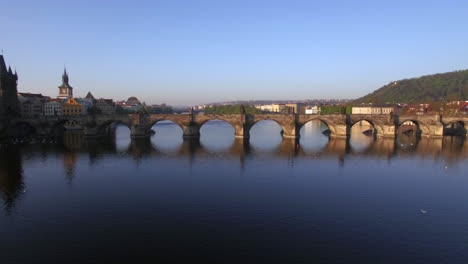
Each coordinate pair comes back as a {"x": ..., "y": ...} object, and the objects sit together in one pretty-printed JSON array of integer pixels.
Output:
[
  {"x": 65, "y": 90},
  {"x": 9, "y": 105}
]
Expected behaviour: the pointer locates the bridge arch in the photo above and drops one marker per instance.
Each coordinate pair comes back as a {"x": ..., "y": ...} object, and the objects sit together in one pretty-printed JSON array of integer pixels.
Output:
[
  {"x": 217, "y": 135},
  {"x": 361, "y": 139},
  {"x": 421, "y": 128},
  {"x": 23, "y": 129},
  {"x": 215, "y": 119},
  {"x": 314, "y": 135},
  {"x": 377, "y": 128},
  {"x": 283, "y": 127},
  {"x": 59, "y": 127},
  {"x": 110, "y": 125},
  {"x": 202, "y": 124},
  {"x": 162, "y": 120},
  {"x": 455, "y": 128},
  {"x": 331, "y": 128}
]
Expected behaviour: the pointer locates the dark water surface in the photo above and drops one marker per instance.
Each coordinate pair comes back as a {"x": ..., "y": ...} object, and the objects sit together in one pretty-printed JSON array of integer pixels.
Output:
[{"x": 166, "y": 200}]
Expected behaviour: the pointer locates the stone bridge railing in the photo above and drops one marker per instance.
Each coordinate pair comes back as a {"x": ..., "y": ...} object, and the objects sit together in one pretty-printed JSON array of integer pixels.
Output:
[{"x": 140, "y": 124}]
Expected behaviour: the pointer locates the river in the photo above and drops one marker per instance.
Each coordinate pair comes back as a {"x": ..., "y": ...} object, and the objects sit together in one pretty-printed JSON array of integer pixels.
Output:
[{"x": 225, "y": 200}]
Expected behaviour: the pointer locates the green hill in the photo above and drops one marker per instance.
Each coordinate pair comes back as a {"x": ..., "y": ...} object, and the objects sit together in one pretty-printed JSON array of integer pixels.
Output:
[{"x": 437, "y": 87}]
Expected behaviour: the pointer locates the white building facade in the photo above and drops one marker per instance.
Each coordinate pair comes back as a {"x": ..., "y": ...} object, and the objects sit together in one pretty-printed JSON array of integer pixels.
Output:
[
  {"x": 52, "y": 108},
  {"x": 312, "y": 110},
  {"x": 372, "y": 110}
]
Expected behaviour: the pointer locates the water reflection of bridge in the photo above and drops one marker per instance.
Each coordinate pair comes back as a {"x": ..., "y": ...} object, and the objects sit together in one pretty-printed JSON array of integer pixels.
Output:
[
  {"x": 76, "y": 148},
  {"x": 451, "y": 148}
]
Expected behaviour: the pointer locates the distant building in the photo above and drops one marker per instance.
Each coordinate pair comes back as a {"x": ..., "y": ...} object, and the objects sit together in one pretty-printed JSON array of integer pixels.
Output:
[
  {"x": 199, "y": 107},
  {"x": 273, "y": 108},
  {"x": 31, "y": 105},
  {"x": 265, "y": 108},
  {"x": 361, "y": 110},
  {"x": 297, "y": 108},
  {"x": 133, "y": 101},
  {"x": 71, "y": 107},
  {"x": 89, "y": 96},
  {"x": 86, "y": 104},
  {"x": 9, "y": 104},
  {"x": 312, "y": 110},
  {"x": 372, "y": 110},
  {"x": 131, "y": 105},
  {"x": 388, "y": 110},
  {"x": 106, "y": 106},
  {"x": 65, "y": 90},
  {"x": 53, "y": 107}
]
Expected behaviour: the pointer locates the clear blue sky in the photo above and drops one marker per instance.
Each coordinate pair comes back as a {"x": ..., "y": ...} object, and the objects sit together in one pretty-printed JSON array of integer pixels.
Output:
[{"x": 190, "y": 52}]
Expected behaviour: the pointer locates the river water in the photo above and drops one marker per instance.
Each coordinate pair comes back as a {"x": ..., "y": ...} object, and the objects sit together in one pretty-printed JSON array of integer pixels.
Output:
[{"x": 218, "y": 199}]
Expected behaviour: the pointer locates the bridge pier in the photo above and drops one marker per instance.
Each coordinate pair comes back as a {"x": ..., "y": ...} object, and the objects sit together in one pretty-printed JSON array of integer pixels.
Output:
[
  {"x": 191, "y": 131},
  {"x": 388, "y": 131},
  {"x": 91, "y": 131},
  {"x": 291, "y": 131},
  {"x": 290, "y": 135},
  {"x": 340, "y": 131},
  {"x": 436, "y": 130},
  {"x": 139, "y": 131},
  {"x": 242, "y": 131},
  {"x": 436, "y": 127}
]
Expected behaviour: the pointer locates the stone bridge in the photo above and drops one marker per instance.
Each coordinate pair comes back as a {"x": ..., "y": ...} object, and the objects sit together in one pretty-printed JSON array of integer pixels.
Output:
[{"x": 140, "y": 125}]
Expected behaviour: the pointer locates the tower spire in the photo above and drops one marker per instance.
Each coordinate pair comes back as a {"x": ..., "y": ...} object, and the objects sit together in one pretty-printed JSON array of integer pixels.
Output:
[
  {"x": 65, "y": 76},
  {"x": 65, "y": 90},
  {"x": 2, "y": 64}
]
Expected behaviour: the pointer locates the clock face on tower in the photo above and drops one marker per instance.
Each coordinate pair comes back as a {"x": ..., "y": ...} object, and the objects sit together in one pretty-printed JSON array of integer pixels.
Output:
[{"x": 63, "y": 91}]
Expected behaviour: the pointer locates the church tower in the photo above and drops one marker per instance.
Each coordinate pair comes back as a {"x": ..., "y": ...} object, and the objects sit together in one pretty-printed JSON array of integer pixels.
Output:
[
  {"x": 9, "y": 105},
  {"x": 65, "y": 90}
]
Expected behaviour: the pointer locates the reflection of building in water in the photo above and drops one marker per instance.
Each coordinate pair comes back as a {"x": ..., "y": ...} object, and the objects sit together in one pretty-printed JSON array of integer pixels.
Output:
[
  {"x": 72, "y": 125},
  {"x": 73, "y": 140},
  {"x": 11, "y": 176},
  {"x": 69, "y": 164}
]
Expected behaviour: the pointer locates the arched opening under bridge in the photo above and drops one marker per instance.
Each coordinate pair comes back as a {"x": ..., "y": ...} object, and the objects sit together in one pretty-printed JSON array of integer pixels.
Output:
[
  {"x": 23, "y": 130},
  {"x": 216, "y": 135},
  {"x": 117, "y": 131},
  {"x": 122, "y": 136},
  {"x": 266, "y": 134},
  {"x": 362, "y": 134},
  {"x": 409, "y": 128},
  {"x": 456, "y": 128},
  {"x": 314, "y": 135},
  {"x": 166, "y": 135},
  {"x": 63, "y": 126}
]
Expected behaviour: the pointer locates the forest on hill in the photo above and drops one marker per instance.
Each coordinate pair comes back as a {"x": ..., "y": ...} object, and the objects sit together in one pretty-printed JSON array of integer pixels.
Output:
[{"x": 450, "y": 86}]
